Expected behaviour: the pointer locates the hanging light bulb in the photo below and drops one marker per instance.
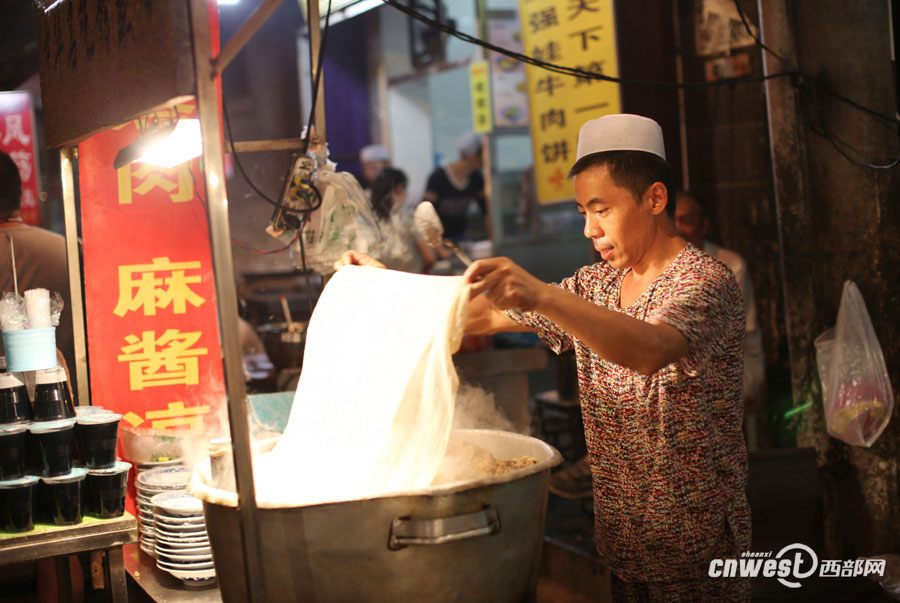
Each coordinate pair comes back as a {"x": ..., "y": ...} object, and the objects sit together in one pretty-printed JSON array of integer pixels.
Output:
[{"x": 168, "y": 146}]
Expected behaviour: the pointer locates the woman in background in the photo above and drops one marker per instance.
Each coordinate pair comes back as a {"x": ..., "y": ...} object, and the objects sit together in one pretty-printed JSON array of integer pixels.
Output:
[{"x": 404, "y": 249}]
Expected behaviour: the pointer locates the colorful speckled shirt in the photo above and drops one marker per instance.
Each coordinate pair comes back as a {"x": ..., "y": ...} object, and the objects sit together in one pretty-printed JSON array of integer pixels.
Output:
[{"x": 667, "y": 451}]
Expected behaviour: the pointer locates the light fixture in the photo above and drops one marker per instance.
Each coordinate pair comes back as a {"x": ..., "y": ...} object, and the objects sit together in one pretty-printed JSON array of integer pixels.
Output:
[
  {"x": 170, "y": 145},
  {"x": 228, "y": 2}
]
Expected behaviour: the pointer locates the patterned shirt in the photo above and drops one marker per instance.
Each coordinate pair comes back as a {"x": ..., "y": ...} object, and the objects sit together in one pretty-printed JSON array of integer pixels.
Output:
[{"x": 667, "y": 452}]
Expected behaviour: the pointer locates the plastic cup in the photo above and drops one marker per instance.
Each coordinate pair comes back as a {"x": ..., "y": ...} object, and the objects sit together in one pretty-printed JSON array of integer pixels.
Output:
[
  {"x": 56, "y": 441},
  {"x": 16, "y": 504},
  {"x": 12, "y": 451},
  {"x": 63, "y": 496},
  {"x": 30, "y": 349},
  {"x": 105, "y": 490},
  {"x": 15, "y": 407},
  {"x": 97, "y": 434},
  {"x": 51, "y": 396}
]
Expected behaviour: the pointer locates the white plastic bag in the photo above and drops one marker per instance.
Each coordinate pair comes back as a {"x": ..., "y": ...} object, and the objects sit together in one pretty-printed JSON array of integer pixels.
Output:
[
  {"x": 344, "y": 221},
  {"x": 856, "y": 389}
]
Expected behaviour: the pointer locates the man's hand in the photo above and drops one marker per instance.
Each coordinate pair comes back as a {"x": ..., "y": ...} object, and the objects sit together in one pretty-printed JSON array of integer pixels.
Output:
[
  {"x": 357, "y": 258},
  {"x": 506, "y": 284}
]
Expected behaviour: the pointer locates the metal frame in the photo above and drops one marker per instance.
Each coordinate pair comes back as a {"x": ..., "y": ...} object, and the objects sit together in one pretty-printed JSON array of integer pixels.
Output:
[
  {"x": 226, "y": 293},
  {"x": 67, "y": 156}
]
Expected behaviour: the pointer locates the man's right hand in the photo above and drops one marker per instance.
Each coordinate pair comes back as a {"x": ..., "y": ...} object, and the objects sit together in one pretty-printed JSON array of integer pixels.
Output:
[{"x": 357, "y": 258}]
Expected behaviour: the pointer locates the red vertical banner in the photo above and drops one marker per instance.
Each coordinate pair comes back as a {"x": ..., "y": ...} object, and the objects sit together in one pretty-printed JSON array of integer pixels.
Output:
[
  {"x": 150, "y": 305},
  {"x": 17, "y": 137},
  {"x": 153, "y": 339}
]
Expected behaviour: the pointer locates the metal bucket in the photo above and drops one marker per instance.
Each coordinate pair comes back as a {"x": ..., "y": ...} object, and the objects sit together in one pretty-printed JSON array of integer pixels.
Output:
[{"x": 470, "y": 541}]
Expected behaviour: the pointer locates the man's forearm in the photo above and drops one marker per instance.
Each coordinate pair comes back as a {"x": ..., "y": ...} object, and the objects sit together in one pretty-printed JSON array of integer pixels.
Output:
[{"x": 616, "y": 337}]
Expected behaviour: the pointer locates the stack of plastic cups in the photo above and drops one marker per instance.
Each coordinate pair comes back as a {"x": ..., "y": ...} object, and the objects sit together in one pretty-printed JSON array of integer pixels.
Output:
[
  {"x": 54, "y": 431},
  {"x": 16, "y": 488},
  {"x": 97, "y": 433}
]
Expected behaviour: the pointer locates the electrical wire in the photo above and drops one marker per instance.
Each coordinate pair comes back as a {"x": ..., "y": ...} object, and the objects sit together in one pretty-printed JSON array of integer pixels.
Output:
[
  {"x": 237, "y": 159},
  {"x": 756, "y": 39},
  {"x": 320, "y": 60},
  {"x": 800, "y": 78}
]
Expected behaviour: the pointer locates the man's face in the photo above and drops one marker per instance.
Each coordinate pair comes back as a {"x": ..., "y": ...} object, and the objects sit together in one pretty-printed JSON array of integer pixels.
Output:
[
  {"x": 690, "y": 221},
  {"x": 620, "y": 227},
  {"x": 370, "y": 170}
]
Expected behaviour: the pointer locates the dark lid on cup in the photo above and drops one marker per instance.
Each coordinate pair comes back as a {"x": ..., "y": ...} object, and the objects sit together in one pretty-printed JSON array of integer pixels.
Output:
[
  {"x": 13, "y": 428},
  {"x": 27, "y": 480},
  {"x": 75, "y": 475},
  {"x": 50, "y": 426},
  {"x": 11, "y": 380},
  {"x": 97, "y": 418},
  {"x": 119, "y": 467}
]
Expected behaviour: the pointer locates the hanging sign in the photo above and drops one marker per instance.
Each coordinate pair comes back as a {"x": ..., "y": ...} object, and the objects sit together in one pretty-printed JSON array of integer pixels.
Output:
[
  {"x": 17, "y": 138},
  {"x": 581, "y": 34},
  {"x": 481, "y": 97}
]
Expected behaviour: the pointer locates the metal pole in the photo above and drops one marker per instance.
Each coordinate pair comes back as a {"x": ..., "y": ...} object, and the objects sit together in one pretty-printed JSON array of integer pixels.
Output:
[
  {"x": 67, "y": 156},
  {"x": 315, "y": 42},
  {"x": 226, "y": 295},
  {"x": 253, "y": 146},
  {"x": 243, "y": 35}
]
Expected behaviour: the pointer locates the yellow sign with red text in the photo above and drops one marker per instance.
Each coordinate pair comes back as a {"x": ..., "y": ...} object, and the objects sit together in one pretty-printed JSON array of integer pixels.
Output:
[
  {"x": 481, "y": 97},
  {"x": 572, "y": 33}
]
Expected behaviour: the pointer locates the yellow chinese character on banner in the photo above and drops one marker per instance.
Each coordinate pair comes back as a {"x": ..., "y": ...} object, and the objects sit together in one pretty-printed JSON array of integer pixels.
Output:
[
  {"x": 168, "y": 360},
  {"x": 141, "y": 178},
  {"x": 177, "y": 415},
  {"x": 140, "y": 288}
]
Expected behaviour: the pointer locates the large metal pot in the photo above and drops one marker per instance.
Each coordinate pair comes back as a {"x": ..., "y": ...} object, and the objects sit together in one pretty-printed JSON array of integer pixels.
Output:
[
  {"x": 284, "y": 346},
  {"x": 471, "y": 541}
]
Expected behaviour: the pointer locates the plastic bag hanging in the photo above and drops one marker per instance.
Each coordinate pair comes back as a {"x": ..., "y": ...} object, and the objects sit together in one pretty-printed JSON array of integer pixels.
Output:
[{"x": 856, "y": 388}]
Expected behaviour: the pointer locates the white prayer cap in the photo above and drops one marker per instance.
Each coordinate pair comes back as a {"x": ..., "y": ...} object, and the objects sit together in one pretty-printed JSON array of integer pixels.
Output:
[
  {"x": 620, "y": 132},
  {"x": 468, "y": 144},
  {"x": 373, "y": 152}
]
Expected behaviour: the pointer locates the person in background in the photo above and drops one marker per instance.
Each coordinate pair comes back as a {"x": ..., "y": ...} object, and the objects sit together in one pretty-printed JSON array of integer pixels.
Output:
[
  {"x": 40, "y": 257},
  {"x": 454, "y": 187},
  {"x": 373, "y": 158},
  {"x": 692, "y": 222},
  {"x": 404, "y": 250}
]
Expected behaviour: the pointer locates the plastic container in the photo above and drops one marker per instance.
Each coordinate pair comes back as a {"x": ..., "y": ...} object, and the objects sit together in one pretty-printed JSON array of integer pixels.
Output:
[
  {"x": 56, "y": 440},
  {"x": 30, "y": 349},
  {"x": 97, "y": 434},
  {"x": 17, "y": 504},
  {"x": 63, "y": 496},
  {"x": 15, "y": 407},
  {"x": 105, "y": 490},
  {"x": 12, "y": 451},
  {"x": 51, "y": 396}
]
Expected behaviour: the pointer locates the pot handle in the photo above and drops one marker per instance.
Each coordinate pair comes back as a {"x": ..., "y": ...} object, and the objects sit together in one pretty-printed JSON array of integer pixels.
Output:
[{"x": 408, "y": 532}]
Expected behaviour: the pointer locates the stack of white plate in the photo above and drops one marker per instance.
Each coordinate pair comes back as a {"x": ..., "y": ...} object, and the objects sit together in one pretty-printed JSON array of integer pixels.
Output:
[
  {"x": 182, "y": 544},
  {"x": 149, "y": 484}
]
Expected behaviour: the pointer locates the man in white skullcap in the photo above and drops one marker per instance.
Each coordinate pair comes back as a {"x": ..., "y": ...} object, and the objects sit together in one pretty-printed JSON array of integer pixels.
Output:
[
  {"x": 373, "y": 158},
  {"x": 657, "y": 327},
  {"x": 454, "y": 187}
]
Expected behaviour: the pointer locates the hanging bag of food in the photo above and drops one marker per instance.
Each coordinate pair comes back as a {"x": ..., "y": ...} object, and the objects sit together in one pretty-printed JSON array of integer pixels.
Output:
[{"x": 856, "y": 389}]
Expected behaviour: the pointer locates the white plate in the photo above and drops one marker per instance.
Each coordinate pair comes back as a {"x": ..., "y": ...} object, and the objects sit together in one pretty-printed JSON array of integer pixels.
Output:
[
  {"x": 181, "y": 545},
  {"x": 165, "y": 550},
  {"x": 178, "y": 503},
  {"x": 182, "y": 536},
  {"x": 166, "y": 478},
  {"x": 177, "y": 558},
  {"x": 179, "y": 529},
  {"x": 185, "y": 565},
  {"x": 149, "y": 550},
  {"x": 178, "y": 521},
  {"x": 194, "y": 578}
]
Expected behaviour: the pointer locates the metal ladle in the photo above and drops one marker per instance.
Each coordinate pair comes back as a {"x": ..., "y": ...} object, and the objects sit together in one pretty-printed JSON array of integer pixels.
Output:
[{"x": 430, "y": 227}]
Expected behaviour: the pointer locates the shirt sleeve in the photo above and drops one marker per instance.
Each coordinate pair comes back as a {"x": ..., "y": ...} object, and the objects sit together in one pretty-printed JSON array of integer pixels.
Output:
[
  {"x": 706, "y": 306},
  {"x": 555, "y": 337}
]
